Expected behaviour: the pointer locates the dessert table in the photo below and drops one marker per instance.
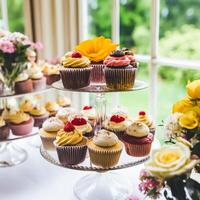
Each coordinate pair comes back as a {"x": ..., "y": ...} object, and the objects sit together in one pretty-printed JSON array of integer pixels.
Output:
[{"x": 37, "y": 179}]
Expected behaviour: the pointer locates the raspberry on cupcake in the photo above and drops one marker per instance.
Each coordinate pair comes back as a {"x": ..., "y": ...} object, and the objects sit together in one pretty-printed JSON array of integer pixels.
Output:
[
  {"x": 76, "y": 70},
  {"x": 137, "y": 139},
  {"x": 81, "y": 124},
  {"x": 90, "y": 113},
  {"x": 70, "y": 145}
]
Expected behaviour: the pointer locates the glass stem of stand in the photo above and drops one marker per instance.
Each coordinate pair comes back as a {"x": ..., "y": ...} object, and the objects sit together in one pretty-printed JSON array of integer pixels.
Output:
[{"x": 100, "y": 104}]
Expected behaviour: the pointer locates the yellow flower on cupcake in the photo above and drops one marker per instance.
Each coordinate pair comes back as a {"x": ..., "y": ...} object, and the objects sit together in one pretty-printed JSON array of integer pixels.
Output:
[
  {"x": 193, "y": 89},
  {"x": 169, "y": 161},
  {"x": 189, "y": 120}
]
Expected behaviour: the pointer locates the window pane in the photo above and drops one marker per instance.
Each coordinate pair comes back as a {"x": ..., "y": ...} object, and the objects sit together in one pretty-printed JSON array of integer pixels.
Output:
[
  {"x": 180, "y": 29},
  {"x": 100, "y": 18},
  {"x": 135, "y": 25}
]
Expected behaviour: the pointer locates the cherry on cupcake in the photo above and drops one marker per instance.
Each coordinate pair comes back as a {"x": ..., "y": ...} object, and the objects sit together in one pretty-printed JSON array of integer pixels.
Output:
[
  {"x": 69, "y": 127},
  {"x": 78, "y": 121},
  {"x": 76, "y": 54},
  {"x": 87, "y": 107},
  {"x": 117, "y": 118},
  {"x": 142, "y": 113}
]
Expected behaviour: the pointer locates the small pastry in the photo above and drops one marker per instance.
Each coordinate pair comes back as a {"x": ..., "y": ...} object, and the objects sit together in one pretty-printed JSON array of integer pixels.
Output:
[
  {"x": 49, "y": 130},
  {"x": 76, "y": 70},
  {"x": 119, "y": 74},
  {"x": 143, "y": 117},
  {"x": 40, "y": 114},
  {"x": 81, "y": 124},
  {"x": 27, "y": 104},
  {"x": 4, "y": 129},
  {"x": 23, "y": 84},
  {"x": 90, "y": 113},
  {"x": 137, "y": 139},
  {"x": 105, "y": 149},
  {"x": 52, "y": 107},
  {"x": 117, "y": 124},
  {"x": 64, "y": 114},
  {"x": 21, "y": 123},
  {"x": 70, "y": 145},
  {"x": 63, "y": 101}
]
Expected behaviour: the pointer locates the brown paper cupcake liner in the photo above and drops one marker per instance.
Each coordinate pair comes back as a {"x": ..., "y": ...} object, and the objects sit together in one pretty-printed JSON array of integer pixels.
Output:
[
  {"x": 48, "y": 142},
  {"x": 39, "y": 120},
  {"x": 120, "y": 78},
  {"x": 22, "y": 87},
  {"x": 52, "y": 78},
  {"x": 4, "y": 132},
  {"x": 75, "y": 78},
  {"x": 71, "y": 155},
  {"x": 89, "y": 134},
  {"x": 104, "y": 158},
  {"x": 39, "y": 84},
  {"x": 97, "y": 74},
  {"x": 137, "y": 150}
]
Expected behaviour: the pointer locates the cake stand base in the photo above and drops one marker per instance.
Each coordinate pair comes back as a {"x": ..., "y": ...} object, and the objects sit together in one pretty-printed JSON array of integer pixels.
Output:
[
  {"x": 110, "y": 186},
  {"x": 11, "y": 154}
]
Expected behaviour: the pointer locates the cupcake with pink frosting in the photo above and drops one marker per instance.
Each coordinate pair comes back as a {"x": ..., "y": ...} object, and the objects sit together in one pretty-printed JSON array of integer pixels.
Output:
[{"x": 119, "y": 74}]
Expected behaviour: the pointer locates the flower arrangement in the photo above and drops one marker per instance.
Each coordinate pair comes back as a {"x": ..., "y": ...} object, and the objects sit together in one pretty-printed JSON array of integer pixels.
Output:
[
  {"x": 13, "y": 55},
  {"x": 171, "y": 165}
]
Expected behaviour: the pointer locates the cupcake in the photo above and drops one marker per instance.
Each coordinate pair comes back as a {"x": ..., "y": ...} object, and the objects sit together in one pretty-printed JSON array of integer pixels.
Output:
[
  {"x": 63, "y": 101},
  {"x": 52, "y": 107},
  {"x": 70, "y": 145},
  {"x": 118, "y": 124},
  {"x": 119, "y": 74},
  {"x": 23, "y": 84},
  {"x": 21, "y": 123},
  {"x": 51, "y": 72},
  {"x": 144, "y": 118},
  {"x": 81, "y": 124},
  {"x": 39, "y": 114},
  {"x": 96, "y": 50},
  {"x": 64, "y": 114},
  {"x": 75, "y": 72},
  {"x": 130, "y": 55},
  {"x": 138, "y": 139},
  {"x": 38, "y": 79},
  {"x": 49, "y": 130},
  {"x": 90, "y": 113},
  {"x": 105, "y": 149},
  {"x": 27, "y": 104},
  {"x": 4, "y": 129}
]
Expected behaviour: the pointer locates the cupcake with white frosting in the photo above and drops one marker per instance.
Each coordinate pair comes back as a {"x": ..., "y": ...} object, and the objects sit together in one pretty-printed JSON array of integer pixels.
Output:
[
  {"x": 23, "y": 84},
  {"x": 64, "y": 113},
  {"x": 49, "y": 131},
  {"x": 90, "y": 113},
  {"x": 138, "y": 139},
  {"x": 105, "y": 149}
]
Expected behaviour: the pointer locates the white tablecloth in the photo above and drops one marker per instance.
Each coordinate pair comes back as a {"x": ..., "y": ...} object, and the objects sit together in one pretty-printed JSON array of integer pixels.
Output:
[{"x": 36, "y": 179}]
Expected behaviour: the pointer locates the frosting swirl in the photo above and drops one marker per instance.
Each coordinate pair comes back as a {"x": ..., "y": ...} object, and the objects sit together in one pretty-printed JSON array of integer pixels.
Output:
[
  {"x": 50, "y": 69},
  {"x": 89, "y": 113},
  {"x": 138, "y": 129},
  {"x": 22, "y": 77},
  {"x": 38, "y": 110},
  {"x": 52, "y": 124},
  {"x": 19, "y": 117},
  {"x": 51, "y": 106},
  {"x": 86, "y": 128},
  {"x": 35, "y": 72},
  {"x": 111, "y": 61},
  {"x": 105, "y": 138},
  {"x": 64, "y": 138},
  {"x": 26, "y": 105},
  {"x": 64, "y": 113},
  {"x": 72, "y": 62},
  {"x": 145, "y": 119},
  {"x": 2, "y": 122},
  {"x": 63, "y": 101}
]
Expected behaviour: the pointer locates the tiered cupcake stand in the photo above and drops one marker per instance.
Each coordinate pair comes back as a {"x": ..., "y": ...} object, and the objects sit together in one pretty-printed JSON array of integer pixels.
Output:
[
  {"x": 102, "y": 183},
  {"x": 12, "y": 154}
]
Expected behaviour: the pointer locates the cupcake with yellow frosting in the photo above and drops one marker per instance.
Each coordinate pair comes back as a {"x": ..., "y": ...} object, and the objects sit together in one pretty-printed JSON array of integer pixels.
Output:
[
  {"x": 70, "y": 145},
  {"x": 76, "y": 70},
  {"x": 40, "y": 114},
  {"x": 96, "y": 50},
  {"x": 63, "y": 101},
  {"x": 143, "y": 117},
  {"x": 49, "y": 130},
  {"x": 4, "y": 129},
  {"x": 137, "y": 139},
  {"x": 52, "y": 107},
  {"x": 26, "y": 105},
  {"x": 105, "y": 149},
  {"x": 23, "y": 84},
  {"x": 21, "y": 123}
]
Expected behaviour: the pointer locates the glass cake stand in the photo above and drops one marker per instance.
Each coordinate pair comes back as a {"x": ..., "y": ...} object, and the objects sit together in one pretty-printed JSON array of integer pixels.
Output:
[
  {"x": 10, "y": 153},
  {"x": 102, "y": 182}
]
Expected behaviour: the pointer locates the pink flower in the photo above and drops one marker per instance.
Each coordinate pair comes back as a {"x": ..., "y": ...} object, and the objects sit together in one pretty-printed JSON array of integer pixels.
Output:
[
  {"x": 144, "y": 174},
  {"x": 7, "y": 46},
  {"x": 133, "y": 198},
  {"x": 37, "y": 45}
]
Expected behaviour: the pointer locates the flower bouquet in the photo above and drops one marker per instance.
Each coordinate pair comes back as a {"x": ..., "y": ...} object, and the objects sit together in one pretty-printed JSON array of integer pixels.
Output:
[{"x": 13, "y": 55}]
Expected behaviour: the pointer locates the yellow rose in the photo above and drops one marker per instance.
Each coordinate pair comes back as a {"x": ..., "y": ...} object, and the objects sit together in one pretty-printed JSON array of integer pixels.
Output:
[
  {"x": 170, "y": 161},
  {"x": 193, "y": 89},
  {"x": 182, "y": 105},
  {"x": 189, "y": 120}
]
